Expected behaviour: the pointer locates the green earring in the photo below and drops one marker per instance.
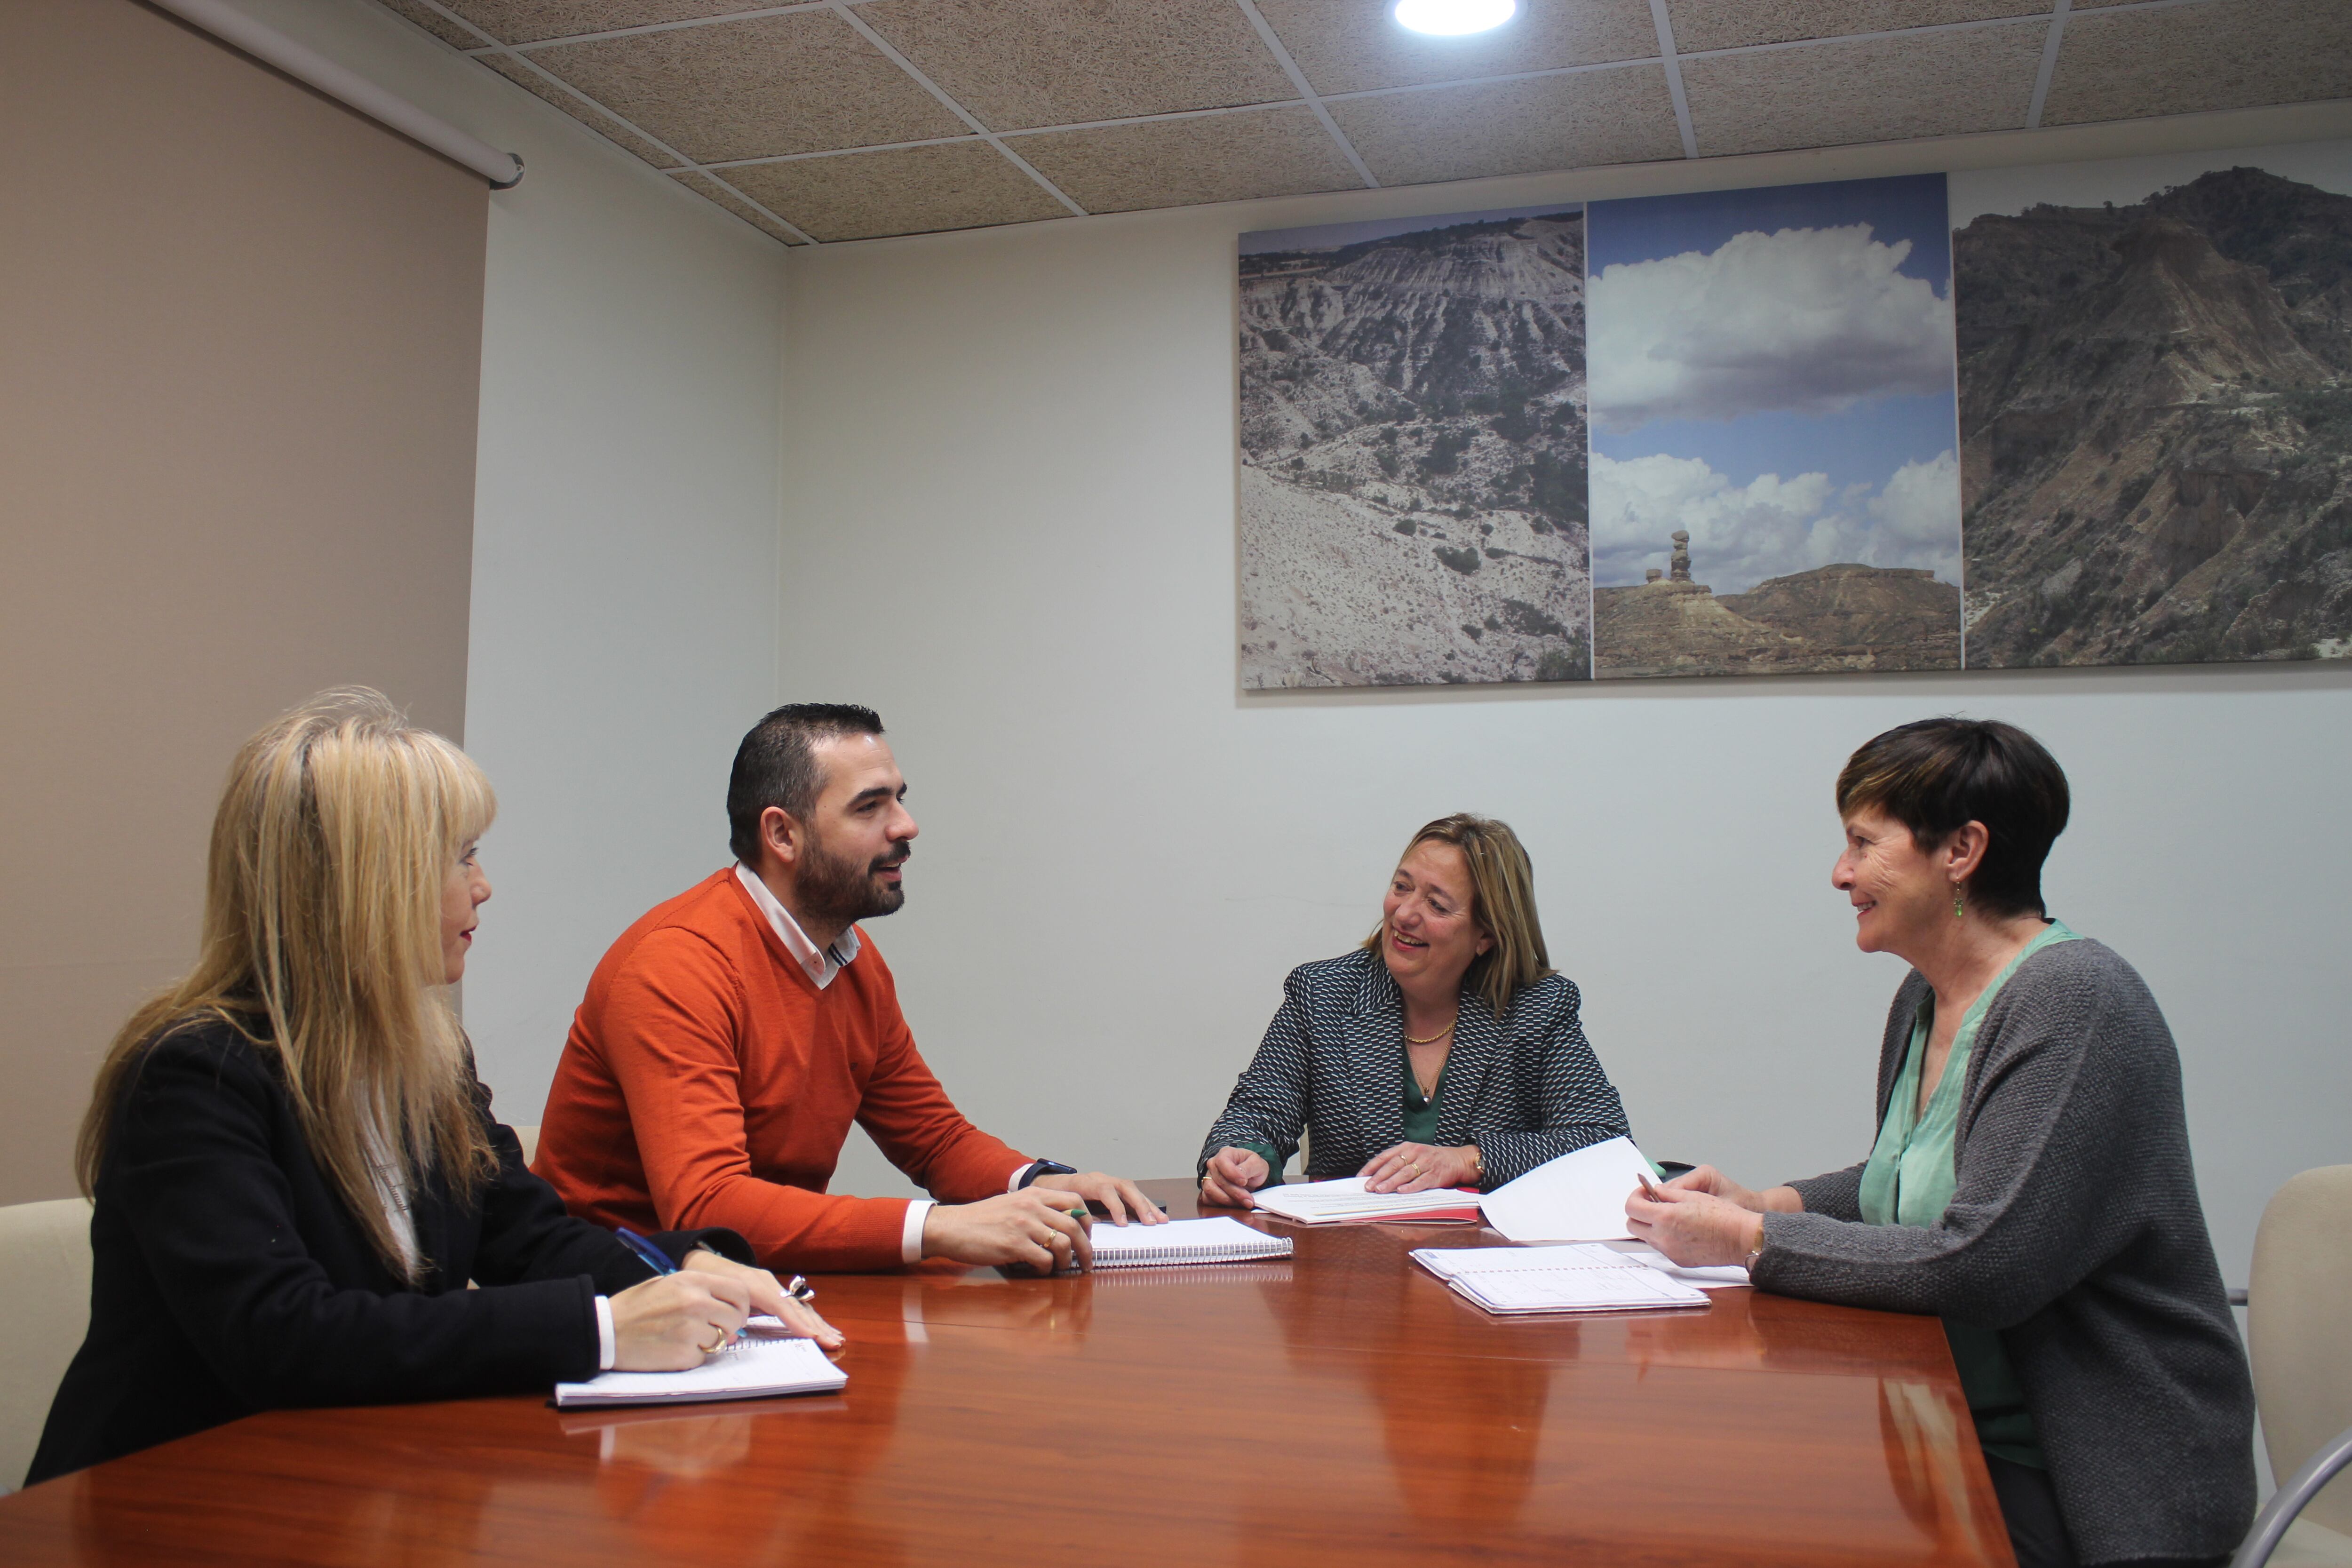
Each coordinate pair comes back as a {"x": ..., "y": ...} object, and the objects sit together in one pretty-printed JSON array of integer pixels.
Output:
[{"x": 1960, "y": 900}]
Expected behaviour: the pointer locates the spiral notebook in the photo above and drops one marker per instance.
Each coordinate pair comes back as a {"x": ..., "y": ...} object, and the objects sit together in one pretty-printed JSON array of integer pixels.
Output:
[
  {"x": 757, "y": 1366},
  {"x": 1219, "y": 1240}
]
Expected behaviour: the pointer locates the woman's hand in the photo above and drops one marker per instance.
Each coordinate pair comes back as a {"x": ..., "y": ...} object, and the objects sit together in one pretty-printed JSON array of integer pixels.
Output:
[
  {"x": 670, "y": 1322},
  {"x": 768, "y": 1295},
  {"x": 1714, "y": 1183},
  {"x": 1231, "y": 1176},
  {"x": 1694, "y": 1228},
  {"x": 1418, "y": 1167}
]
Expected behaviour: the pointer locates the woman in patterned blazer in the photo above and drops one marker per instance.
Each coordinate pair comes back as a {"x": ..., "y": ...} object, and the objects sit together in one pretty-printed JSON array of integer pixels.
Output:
[{"x": 1443, "y": 1052}]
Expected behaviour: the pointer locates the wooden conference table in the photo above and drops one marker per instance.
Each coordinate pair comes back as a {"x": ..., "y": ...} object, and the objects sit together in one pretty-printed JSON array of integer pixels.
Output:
[{"x": 1338, "y": 1406}]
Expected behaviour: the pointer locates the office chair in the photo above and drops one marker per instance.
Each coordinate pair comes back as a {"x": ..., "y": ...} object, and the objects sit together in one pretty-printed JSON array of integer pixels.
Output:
[
  {"x": 44, "y": 1315},
  {"x": 2296, "y": 1311}
]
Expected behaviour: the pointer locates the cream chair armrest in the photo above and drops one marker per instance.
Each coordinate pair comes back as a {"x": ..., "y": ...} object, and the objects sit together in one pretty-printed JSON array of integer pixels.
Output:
[{"x": 2271, "y": 1526}]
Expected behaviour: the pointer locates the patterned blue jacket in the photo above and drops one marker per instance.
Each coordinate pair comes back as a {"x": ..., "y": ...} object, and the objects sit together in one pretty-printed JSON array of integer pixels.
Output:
[{"x": 1525, "y": 1089}]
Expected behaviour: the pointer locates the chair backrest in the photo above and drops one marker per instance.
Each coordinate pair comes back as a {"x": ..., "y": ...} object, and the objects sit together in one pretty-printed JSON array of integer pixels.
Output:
[
  {"x": 2298, "y": 1301},
  {"x": 44, "y": 1313},
  {"x": 529, "y": 1136}
]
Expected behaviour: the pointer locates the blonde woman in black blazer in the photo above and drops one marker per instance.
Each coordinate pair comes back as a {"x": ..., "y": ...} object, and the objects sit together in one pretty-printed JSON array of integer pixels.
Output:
[
  {"x": 1443, "y": 1052},
  {"x": 295, "y": 1168}
]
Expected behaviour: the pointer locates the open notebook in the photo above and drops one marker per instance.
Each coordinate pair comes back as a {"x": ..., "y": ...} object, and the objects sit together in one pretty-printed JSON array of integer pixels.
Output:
[
  {"x": 1328, "y": 1202},
  {"x": 1585, "y": 1277},
  {"x": 1219, "y": 1240},
  {"x": 759, "y": 1366}
]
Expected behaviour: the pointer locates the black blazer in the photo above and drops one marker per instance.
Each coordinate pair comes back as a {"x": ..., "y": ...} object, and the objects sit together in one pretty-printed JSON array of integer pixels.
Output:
[
  {"x": 1525, "y": 1087},
  {"x": 228, "y": 1277}
]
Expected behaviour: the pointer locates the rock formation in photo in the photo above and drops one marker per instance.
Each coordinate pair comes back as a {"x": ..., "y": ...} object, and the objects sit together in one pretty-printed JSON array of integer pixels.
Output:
[
  {"x": 2156, "y": 415},
  {"x": 1840, "y": 617},
  {"x": 1412, "y": 425}
]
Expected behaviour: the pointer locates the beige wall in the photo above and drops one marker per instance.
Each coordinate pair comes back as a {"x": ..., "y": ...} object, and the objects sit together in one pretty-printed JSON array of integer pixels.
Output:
[{"x": 238, "y": 408}]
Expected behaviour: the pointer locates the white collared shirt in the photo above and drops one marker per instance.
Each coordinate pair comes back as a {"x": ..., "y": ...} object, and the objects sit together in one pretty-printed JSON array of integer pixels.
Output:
[{"x": 821, "y": 967}]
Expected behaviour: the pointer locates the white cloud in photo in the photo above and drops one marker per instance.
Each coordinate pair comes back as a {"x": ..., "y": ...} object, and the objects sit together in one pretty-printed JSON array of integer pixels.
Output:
[
  {"x": 1769, "y": 527},
  {"x": 1809, "y": 321}
]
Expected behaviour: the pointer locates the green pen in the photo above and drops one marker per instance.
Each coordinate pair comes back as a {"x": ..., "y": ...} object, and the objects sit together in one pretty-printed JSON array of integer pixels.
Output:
[{"x": 1085, "y": 1227}]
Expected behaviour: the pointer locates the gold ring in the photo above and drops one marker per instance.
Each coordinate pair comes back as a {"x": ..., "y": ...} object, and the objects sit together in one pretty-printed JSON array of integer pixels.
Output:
[{"x": 713, "y": 1347}]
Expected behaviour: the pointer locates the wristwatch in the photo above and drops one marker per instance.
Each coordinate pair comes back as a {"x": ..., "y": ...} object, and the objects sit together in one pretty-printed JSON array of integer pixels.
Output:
[{"x": 1043, "y": 1168}]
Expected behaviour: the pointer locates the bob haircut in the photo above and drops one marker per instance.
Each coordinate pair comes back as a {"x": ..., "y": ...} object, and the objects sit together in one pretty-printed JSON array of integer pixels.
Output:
[
  {"x": 1940, "y": 774},
  {"x": 334, "y": 840},
  {"x": 1502, "y": 901}
]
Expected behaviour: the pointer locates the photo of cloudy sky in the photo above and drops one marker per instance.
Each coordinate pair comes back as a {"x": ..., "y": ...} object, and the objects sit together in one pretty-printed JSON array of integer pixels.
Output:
[{"x": 1772, "y": 371}]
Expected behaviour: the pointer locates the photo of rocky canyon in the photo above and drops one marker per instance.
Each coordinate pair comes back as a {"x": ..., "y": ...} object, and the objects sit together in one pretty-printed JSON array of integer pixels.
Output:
[
  {"x": 2074, "y": 414},
  {"x": 2156, "y": 413},
  {"x": 1413, "y": 481}
]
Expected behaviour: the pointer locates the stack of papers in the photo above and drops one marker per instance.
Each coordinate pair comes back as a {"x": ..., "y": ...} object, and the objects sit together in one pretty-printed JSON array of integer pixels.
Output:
[
  {"x": 1514, "y": 1282},
  {"x": 1577, "y": 1197},
  {"x": 1219, "y": 1240},
  {"x": 1326, "y": 1203},
  {"x": 1706, "y": 1276},
  {"x": 754, "y": 1367}
]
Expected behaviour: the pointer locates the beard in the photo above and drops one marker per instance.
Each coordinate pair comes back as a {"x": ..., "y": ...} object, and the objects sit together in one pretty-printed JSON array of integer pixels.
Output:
[{"x": 842, "y": 888}]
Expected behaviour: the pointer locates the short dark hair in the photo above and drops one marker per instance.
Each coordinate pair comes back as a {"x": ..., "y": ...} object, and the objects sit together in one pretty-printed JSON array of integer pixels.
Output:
[
  {"x": 1940, "y": 774},
  {"x": 776, "y": 766}
]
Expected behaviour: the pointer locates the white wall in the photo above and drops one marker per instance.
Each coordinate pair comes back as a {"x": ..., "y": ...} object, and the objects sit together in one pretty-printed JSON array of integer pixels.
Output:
[
  {"x": 1010, "y": 526},
  {"x": 624, "y": 532}
]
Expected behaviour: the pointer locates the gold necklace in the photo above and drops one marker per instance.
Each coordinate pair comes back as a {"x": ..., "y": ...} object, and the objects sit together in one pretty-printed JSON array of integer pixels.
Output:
[{"x": 1434, "y": 1039}]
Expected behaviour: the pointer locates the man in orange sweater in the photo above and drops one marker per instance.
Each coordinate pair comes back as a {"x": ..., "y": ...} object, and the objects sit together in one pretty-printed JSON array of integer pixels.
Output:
[{"x": 732, "y": 1035}]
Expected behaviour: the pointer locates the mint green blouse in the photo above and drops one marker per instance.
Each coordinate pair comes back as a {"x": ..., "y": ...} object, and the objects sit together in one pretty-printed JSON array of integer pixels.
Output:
[{"x": 1910, "y": 1180}]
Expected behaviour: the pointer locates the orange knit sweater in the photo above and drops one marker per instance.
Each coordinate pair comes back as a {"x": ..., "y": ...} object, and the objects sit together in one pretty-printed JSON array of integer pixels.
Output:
[{"x": 708, "y": 1082}]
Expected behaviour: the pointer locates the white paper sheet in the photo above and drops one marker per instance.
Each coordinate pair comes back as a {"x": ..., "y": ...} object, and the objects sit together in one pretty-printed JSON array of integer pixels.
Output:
[
  {"x": 1577, "y": 1197},
  {"x": 1323, "y": 1203}
]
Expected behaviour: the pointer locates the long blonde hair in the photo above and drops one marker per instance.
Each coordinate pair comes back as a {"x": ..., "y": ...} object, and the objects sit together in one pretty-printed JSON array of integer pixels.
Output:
[
  {"x": 332, "y": 844},
  {"x": 1503, "y": 902}
]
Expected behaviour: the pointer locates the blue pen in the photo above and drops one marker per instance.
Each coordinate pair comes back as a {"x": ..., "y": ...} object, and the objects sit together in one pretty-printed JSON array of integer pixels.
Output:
[{"x": 653, "y": 1257}]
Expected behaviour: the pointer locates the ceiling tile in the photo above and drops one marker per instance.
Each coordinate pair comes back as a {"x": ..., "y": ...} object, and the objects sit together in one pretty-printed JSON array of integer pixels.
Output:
[
  {"x": 1880, "y": 89},
  {"x": 603, "y": 124},
  {"x": 714, "y": 190},
  {"x": 1733, "y": 24},
  {"x": 2181, "y": 59},
  {"x": 805, "y": 82},
  {"x": 1063, "y": 62},
  {"x": 1621, "y": 116},
  {"x": 1180, "y": 162},
  {"x": 1349, "y": 45},
  {"x": 863, "y": 195},
  {"x": 433, "y": 22},
  {"x": 531, "y": 21}
]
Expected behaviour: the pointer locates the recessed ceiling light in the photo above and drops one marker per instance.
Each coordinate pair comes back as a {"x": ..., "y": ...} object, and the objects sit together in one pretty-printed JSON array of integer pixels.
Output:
[{"x": 1449, "y": 18}]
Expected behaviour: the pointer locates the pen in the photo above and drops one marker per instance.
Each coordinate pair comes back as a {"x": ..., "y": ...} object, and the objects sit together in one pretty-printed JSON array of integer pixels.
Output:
[
  {"x": 651, "y": 1257},
  {"x": 1648, "y": 1191},
  {"x": 1086, "y": 1224}
]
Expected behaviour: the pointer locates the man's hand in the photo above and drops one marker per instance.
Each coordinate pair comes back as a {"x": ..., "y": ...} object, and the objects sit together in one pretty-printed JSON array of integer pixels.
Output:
[
  {"x": 767, "y": 1293},
  {"x": 1120, "y": 1197},
  {"x": 1031, "y": 1227},
  {"x": 1232, "y": 1175},
  {"x": 1418, "y": 1167}
]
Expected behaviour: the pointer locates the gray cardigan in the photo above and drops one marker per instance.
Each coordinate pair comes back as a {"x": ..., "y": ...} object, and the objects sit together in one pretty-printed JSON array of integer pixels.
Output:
[
  {"x": 1525, "y": 1087},
  {"x": 2075, "y": 1231}
]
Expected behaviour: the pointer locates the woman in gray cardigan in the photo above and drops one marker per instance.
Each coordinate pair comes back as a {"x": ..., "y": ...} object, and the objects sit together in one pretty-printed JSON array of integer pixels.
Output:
[
  {"x": 1444, "y": 1052},
  {"x": 2030, "y": 1180}
]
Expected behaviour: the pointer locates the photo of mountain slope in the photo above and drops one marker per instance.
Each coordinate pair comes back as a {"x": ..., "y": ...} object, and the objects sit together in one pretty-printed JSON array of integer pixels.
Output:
[
  {"x": 2156, "y": 413},
  {"x": 1412, "y": 434}
]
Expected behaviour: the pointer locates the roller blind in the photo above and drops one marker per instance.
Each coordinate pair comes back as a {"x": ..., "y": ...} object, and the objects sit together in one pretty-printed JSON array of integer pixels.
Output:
[{"x": 240, "y": 348}]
